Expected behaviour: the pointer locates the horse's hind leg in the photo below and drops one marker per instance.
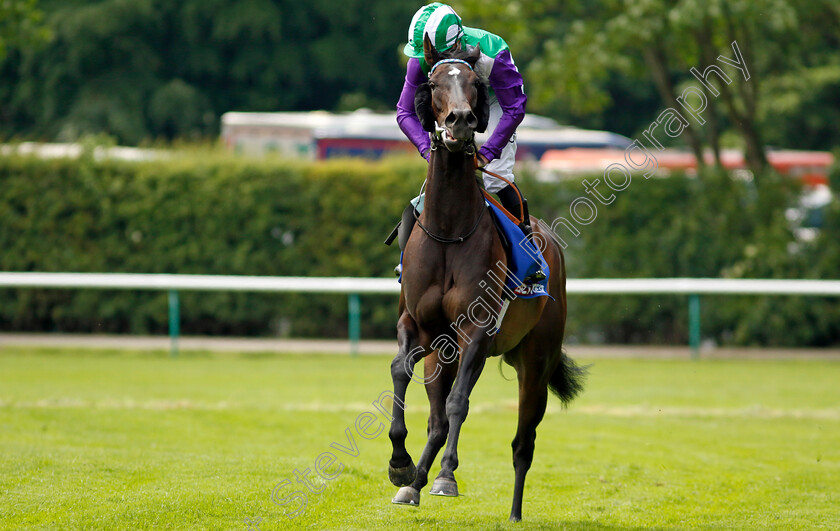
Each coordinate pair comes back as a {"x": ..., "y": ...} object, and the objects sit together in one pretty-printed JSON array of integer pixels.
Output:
[
  {"x": 401, "y": 469},
  {"x": 533, "y": 395}
]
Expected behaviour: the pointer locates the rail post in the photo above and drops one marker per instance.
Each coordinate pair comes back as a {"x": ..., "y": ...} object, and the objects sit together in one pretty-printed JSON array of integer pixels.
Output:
[
  {"x": 354, "y": 311},
  {"x": 694, "y": 325},
  {"x": 174, "y": 322}
]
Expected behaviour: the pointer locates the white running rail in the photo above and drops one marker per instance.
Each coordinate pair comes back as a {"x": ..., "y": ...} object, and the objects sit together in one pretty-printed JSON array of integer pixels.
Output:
[
  {"x": 355, "y": 286},
  {"x": 348, "y": 285}
]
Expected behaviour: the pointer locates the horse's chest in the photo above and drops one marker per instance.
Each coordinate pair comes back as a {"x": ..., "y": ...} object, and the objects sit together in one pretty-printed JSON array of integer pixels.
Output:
[
  {"x": 440, "y": 282},
  {"x": 429, "y": 308},
  {"x": 440, "y": 303}
]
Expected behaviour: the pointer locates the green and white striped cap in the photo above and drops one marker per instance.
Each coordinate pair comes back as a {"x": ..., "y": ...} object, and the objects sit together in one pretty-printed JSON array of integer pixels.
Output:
[{"x": 440, "y": 23}]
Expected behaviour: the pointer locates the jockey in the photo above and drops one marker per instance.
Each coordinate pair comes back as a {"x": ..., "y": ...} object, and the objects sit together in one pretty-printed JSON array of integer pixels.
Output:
[{"x": 496, "y": 69}]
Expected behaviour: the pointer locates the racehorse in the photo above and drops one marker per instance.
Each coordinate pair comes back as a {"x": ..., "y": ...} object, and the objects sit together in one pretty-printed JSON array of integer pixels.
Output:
[{"x": 452, "y": 253}]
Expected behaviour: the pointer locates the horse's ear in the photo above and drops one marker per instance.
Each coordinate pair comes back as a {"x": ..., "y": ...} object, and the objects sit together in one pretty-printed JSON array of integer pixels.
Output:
[
  {"x": 431, "y": 55},
  {"x": 423, "y": 107},
  {"x": 482, "y": 108},
  {"x": 473, "y": 55}
]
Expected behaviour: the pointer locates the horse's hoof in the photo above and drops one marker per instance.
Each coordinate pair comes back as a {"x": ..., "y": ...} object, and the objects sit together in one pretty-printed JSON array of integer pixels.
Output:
[
  {"x": 515, "y": 519},
  {"x": 444, "y": 487},
  {"x": 407, "y": 496},
  {"x": 402, "y": 476}
]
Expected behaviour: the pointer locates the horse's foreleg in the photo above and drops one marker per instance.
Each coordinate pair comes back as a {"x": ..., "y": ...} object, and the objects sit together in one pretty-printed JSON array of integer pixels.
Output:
[
  {"x": 533, "y": 395},
  {"x": 401, "y": 469},
  {"x": 457, "y": 406},
  {"x": 437, "y": 391}
]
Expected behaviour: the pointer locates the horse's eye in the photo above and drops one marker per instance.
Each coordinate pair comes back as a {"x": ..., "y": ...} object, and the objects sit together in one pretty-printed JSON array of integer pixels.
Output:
[{"x": 432, "y": 85}]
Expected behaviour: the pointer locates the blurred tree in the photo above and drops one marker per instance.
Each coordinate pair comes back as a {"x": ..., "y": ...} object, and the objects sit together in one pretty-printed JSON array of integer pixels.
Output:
[
  {"x": 179, "y": 109},
  {"x": 21, "y": 25},
  {"x": 803, "y": 103},
  {"x": 140, "y": 69},
  {"x": 94, "y": 76},
  {"x": 574, "y": 51}
]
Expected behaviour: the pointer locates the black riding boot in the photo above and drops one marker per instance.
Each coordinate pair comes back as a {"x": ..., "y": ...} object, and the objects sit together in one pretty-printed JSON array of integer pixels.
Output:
[
  {"x": 403, "y": 231},
  {"x": 510, "y": 200}
]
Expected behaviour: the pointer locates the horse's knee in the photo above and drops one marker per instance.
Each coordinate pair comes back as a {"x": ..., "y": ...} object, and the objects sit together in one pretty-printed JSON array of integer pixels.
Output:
[
  {"x": 457, "y": 406},
  {"x": 402, "y": 367},
  {"x": 523, "y": 450},
  {"x": 398, "y": 372}
]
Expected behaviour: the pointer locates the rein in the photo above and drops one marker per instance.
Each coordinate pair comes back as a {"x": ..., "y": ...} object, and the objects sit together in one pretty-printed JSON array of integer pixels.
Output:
[
  {"x": 441, "y": 239},
  {"x": 520, "y": 220},
  {"x": 471, "y": 150},
  {"x": 437, "y": 141}
]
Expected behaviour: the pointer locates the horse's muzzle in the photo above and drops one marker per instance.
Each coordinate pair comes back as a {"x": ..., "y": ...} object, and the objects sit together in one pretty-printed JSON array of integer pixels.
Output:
[{"x": 459, "y": 129}]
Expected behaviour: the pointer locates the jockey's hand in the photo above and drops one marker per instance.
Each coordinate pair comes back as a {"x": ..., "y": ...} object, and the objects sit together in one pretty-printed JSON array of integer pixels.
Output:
[{"x": 480, "y": 161}]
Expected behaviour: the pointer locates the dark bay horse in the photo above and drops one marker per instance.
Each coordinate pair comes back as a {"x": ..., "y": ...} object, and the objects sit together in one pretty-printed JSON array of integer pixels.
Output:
[{"x": 448, "y": 298}]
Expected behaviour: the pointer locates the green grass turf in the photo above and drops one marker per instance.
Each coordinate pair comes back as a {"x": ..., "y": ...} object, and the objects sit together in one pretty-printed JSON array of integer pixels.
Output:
[{"x": 126, "y": 440}]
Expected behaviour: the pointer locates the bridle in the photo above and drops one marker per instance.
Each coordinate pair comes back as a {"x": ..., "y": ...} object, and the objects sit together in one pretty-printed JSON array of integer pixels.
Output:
[
  {"x": 436, "y": 138},
  {"x": 445, "y": 61}
]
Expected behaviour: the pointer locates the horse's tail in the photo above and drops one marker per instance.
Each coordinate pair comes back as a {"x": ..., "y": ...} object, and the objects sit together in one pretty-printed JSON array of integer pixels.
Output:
[{"x": 568, "y": 378}]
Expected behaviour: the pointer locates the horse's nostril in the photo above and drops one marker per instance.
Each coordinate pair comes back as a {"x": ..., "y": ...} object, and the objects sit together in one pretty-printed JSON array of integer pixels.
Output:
[{"x": 460, "y": 117}]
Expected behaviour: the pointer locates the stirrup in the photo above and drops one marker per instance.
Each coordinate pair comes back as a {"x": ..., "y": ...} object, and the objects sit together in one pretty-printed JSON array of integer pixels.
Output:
[{"x": 534, "y": 278}]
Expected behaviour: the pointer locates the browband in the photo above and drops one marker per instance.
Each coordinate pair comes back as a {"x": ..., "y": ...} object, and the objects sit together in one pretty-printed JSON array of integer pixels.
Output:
[{"x": 442, "y": 61}]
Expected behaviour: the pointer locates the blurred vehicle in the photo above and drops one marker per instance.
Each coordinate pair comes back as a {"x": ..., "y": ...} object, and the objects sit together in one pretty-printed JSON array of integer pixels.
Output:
[
  {"x": 364, "y": 133},
  {"x": 810, "y": 167}
]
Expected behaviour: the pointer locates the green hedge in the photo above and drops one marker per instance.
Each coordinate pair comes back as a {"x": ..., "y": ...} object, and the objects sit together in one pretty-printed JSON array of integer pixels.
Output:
[
  {"x": 224, "y": 215},
  {"x": 716, "y": 227},
  {"x": 213, "y": 215}
]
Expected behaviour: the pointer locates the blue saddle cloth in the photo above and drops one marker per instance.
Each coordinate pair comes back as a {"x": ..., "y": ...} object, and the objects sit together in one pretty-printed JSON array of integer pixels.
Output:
[{"x": 523, "y": 259}]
